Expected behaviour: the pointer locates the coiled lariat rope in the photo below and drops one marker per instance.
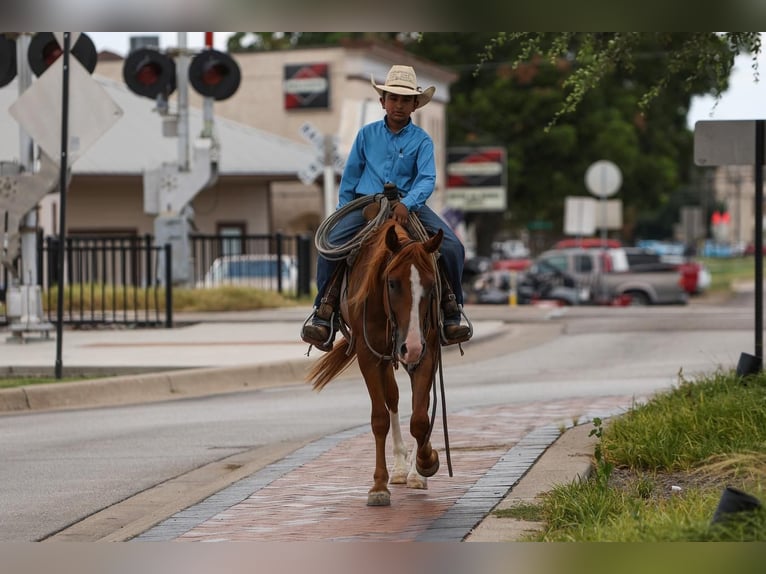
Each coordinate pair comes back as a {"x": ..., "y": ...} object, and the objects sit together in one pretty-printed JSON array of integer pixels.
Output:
[{"x": 341, "y": 252}]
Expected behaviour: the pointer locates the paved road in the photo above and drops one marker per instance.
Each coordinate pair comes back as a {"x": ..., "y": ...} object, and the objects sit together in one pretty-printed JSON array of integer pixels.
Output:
[{"x": 204, "y": 448}]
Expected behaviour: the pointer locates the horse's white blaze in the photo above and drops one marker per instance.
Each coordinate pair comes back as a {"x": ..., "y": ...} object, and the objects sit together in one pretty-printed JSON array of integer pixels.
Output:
[{"x": 413, "y": 340}]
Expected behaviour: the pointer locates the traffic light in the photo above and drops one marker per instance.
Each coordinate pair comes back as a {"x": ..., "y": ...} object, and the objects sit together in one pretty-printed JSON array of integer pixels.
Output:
[
  {"x": 149, "y": 73},
  {"x": 214, "y": 74},
  {"x": 44, "y": 49},
  {"x": 7, "y": 60}
]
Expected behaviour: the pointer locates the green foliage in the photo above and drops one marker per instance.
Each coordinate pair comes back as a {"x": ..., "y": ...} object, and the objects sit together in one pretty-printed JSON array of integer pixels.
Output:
[
  {"x": 686, "y": 60},
  {"x": 696, "y": 421},
  {"x": 603, "y": 468},
  {"x": 710, "y": 431}
]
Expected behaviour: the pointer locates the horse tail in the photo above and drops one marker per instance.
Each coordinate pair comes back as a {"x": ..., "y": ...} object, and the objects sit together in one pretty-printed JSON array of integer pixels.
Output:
[{"x": 332, "y": 364}]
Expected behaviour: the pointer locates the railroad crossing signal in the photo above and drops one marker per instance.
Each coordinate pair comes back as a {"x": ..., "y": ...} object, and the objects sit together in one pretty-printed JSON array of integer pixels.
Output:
[
  {"x": 214, "y": 74},
  {"x": 44, "y": 49},
  {"x": 150, "y": 74}
]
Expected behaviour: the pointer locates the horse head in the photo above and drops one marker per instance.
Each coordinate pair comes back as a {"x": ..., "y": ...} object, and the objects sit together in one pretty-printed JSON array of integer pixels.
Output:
[{"x": 410, "y": 281}]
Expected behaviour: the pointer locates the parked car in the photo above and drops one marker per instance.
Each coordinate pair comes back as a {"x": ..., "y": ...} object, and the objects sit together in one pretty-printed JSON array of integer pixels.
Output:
[
  {"x": 257, "y": 271},
  {"x": 695, "y": 275},
  {"x": 605, "y": 277}
]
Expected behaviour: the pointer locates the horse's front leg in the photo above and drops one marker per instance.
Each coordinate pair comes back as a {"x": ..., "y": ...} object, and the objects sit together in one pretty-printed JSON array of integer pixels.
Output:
[
  {"x": 426, "y": 459},
  {"x": 376, "y": 380},
  {"x": 400, "y": 469}
]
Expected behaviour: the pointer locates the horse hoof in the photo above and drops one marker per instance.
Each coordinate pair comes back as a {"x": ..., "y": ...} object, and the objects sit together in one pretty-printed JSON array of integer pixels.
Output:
[
  {"x": 417, "y": 482},
  {"x": 398, "y": 477},
  {"x": 379, "y": 499},
  {"x": 431, "y": 470}
]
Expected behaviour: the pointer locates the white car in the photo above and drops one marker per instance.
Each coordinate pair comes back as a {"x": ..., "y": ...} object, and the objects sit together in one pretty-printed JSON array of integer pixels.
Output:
[{"x": 257, "y": 271}]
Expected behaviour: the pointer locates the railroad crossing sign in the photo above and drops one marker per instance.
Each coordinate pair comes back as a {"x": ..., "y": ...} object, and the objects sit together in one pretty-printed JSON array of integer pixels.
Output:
[
  {"x": 91, "y": 111},
  {"x": 327, "y": 154}
]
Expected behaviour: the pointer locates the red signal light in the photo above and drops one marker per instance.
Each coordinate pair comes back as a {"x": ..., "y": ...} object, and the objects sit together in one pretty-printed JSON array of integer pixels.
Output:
[
  {"x": 44, "y": 49},
  {"x": 214, "y": 74},
  {"x": 7, "y": 60},
  {"x": 149, "y": 73}
]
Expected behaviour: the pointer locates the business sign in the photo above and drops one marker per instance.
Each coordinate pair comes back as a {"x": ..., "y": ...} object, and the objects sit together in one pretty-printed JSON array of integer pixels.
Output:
[
  {"x": 476, "y": 179},
  {"x": 306, "y": 86}
]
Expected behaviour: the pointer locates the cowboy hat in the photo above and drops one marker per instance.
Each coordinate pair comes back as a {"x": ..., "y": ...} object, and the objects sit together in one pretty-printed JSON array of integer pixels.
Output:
[{"x": 402, "y": 80}]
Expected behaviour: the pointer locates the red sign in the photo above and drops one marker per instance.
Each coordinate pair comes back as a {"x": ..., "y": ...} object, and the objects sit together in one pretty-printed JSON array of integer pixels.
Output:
[{"x": 306, "y": 86}]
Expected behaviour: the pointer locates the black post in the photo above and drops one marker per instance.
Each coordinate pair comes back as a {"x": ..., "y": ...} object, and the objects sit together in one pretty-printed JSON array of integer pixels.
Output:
[
  {"x": 304, "y": 265},
  {"x": 759, "y": 152},
  {"x": 62, "y": 201},
  {"x": 168, "y": 286},
  {"x": 279, "y": 249}
]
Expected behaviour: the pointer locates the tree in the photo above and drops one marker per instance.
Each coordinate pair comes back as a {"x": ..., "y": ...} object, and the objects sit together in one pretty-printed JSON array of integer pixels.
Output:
[
  {"x": 702, "y": 56},
  {"x": 633, "y": 114}
]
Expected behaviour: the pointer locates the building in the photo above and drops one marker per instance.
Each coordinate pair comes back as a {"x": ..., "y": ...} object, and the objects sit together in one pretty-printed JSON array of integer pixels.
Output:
[{"x": 264, "y": 183}]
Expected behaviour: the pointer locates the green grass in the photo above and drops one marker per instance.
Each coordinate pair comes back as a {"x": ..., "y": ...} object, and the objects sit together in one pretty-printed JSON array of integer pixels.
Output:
[
  {"x": 703, "y": 434},
  {"x": 724, "y": 271},
  {"x": 11, "y": 382}
]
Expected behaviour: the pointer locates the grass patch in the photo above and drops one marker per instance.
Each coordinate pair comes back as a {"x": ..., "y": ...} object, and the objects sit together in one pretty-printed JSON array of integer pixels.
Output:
[
  {"x": 107, "y": 298},
  {"x": 11, "y": 382},
  {"x": 724, "y": 271},
  {"x": 522, "y": 511},
  {"x": 663, "y": 465}
]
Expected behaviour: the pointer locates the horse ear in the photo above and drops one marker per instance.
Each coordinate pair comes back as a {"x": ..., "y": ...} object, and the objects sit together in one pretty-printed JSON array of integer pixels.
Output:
[
  {"x": 434, "y": 242},
  {"x": 392, "y": 240}
]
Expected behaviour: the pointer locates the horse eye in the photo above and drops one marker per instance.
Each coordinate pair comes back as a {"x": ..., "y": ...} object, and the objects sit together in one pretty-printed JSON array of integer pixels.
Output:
[{"x": 393, "y": 284}]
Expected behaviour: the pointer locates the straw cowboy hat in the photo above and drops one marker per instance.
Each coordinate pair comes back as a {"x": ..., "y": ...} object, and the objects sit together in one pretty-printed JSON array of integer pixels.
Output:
[{"x": 402, "y": 80}]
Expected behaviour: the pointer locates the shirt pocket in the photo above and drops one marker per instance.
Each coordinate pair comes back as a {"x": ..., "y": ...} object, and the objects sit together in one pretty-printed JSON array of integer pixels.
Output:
[{"x": 405, "y": 166}]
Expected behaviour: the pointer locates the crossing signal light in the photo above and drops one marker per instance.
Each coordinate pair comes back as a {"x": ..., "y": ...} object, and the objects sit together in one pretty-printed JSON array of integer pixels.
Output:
[
  {"x": 44, "y": 49},
  {"x": 7, "y": 60},
  {"x": 214, "y": 74},
  {"x": 149, "y": 73}
]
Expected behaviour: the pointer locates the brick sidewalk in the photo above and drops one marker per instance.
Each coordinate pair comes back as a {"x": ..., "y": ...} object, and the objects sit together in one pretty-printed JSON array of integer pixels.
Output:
[{"x": 319, "y": 493}]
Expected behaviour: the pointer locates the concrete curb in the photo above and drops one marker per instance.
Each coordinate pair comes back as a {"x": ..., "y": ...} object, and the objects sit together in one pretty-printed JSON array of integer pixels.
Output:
[{"x": 148, "y": 387}]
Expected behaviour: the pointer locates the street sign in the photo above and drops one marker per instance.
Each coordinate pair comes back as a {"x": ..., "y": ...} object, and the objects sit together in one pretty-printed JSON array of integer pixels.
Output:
[
  {"x": 724, "y": 142},
  {"x": 603, "y": 178},
  {"x": 579, "y": 215},
  {"x": 91, "y": 111}
]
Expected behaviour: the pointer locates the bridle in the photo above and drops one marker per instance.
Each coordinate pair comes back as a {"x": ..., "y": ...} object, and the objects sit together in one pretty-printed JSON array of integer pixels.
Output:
[{"x": 391, "y": 322}]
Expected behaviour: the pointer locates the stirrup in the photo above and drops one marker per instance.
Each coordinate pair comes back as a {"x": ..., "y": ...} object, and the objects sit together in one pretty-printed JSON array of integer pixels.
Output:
[
  {"x": 445, "y": 341},
  {"x": 331, "y": 325}
]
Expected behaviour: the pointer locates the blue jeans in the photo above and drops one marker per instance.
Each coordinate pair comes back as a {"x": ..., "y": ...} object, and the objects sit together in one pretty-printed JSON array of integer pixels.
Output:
[{"x": 452, "y": 251}]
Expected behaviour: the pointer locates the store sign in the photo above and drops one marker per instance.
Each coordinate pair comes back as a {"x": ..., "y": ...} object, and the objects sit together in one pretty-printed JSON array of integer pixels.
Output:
[
  {"x": 306, "y": 86},
  {"x": 476, "y": 179}
]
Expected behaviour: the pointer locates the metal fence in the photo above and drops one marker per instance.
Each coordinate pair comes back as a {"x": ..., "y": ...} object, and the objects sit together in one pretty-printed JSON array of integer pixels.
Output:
[
  {"x": 120, "y": 280},
  {"x": 107, "y": 280}
]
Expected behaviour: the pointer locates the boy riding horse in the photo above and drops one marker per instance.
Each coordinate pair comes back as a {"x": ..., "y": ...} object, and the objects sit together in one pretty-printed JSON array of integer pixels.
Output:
[{"x": 391, "y": 151}]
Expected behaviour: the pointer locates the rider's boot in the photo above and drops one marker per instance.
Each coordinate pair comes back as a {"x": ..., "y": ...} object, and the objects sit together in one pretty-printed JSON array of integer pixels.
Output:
[
  {"x": 453, "y": 332},
  {"x": 320, "y": 331}
]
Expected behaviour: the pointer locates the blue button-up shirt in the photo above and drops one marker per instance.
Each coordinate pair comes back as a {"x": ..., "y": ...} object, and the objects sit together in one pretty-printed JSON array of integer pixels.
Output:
[{"x": 379, "y": 156}]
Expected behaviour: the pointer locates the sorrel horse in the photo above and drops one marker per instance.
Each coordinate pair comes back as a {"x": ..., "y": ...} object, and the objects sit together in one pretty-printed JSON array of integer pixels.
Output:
[{"x": 392, "y": 313}]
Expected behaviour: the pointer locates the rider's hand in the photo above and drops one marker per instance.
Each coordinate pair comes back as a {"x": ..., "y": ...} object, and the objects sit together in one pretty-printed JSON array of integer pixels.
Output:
[{"x": 400, "y": 214}]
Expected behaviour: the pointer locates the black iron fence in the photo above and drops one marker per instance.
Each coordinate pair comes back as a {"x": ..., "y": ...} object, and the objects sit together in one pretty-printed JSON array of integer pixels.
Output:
[{"x": 120, "y": 280}]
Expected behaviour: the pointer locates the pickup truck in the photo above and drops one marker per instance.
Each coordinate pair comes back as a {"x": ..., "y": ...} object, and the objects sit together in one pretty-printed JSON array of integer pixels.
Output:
[{"x": 603, "y": 276}]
